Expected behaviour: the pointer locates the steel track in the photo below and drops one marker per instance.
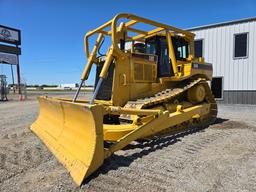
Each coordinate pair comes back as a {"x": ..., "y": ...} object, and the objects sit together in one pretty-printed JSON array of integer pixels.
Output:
[{"x": 169, "y": 96}]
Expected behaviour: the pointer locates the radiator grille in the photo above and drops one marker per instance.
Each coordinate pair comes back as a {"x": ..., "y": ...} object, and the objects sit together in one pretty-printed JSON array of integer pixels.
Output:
[
  {"x": 138, "y": 71},
  {"x": 145, "y": 72}
]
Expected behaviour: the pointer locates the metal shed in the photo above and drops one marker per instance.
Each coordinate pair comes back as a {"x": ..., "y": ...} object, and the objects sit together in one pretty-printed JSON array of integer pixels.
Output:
[{"x": 231, "y": 48}]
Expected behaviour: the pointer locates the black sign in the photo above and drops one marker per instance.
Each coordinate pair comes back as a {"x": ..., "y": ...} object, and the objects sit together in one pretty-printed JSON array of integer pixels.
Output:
[
  {"x": 10, "y": 49},
  {"x": 9, "y": 35}
]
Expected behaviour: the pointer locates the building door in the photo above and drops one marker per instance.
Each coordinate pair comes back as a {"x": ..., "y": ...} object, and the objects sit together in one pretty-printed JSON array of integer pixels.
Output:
[{"x": 217, "y": 87}]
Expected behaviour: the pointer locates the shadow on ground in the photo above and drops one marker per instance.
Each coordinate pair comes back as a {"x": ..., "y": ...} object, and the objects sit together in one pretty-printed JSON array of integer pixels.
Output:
[{"x": 117, "y": 161}]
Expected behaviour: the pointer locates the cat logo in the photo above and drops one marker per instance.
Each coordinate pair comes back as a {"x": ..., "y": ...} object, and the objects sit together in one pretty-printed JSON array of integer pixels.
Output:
[{"x": 5, "y": 33}]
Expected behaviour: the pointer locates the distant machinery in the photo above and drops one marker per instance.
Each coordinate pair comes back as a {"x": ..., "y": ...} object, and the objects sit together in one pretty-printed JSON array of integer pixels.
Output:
[{"x": 3, "y": 88}]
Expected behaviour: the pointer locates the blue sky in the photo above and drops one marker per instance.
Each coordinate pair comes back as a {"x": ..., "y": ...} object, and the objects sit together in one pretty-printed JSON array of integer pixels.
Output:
[{"x": 53, "y": 30}]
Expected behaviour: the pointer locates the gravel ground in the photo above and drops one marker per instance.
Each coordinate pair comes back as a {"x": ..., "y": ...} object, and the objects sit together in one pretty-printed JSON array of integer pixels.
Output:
[{"x": 221, "y": 157}]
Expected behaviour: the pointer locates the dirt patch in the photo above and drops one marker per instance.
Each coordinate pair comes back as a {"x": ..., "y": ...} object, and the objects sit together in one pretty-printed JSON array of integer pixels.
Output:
[
  {"x": 229, "y": 124},
  {"x": 221, "y": 157}
]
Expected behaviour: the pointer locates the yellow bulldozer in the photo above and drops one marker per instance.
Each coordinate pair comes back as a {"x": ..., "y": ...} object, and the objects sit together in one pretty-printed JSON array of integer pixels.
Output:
[{"x": 148, "y": 84}]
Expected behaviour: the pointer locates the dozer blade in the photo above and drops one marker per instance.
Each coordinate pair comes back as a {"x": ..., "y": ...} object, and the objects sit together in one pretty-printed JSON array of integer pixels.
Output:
[{"x": 74, "y": 134}]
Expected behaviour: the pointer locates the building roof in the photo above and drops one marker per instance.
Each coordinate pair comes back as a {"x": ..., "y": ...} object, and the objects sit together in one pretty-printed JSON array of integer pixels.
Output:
[{"x": 222, "y": 24}]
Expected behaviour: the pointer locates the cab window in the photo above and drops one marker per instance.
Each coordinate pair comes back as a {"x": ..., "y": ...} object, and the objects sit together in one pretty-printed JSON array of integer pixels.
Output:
[
  {"x": 181, "y": 47},
  {"x": 151, "y": 48}
]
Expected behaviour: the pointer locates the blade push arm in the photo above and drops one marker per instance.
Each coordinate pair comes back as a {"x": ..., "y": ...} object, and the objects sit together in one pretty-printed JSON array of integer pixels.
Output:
[{"x": 88, "y": 67}]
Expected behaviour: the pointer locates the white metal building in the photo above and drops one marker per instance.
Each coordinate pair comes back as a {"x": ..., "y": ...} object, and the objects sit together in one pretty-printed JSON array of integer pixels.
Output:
[{"x": 231, "y": 48}]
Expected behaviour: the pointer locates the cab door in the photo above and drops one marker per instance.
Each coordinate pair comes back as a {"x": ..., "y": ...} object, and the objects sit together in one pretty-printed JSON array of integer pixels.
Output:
[{"x": 157, "y": 45}]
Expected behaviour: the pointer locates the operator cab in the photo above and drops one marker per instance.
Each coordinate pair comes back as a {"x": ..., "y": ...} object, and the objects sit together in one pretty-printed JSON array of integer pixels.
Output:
[{"x": 157, "y": 45}]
